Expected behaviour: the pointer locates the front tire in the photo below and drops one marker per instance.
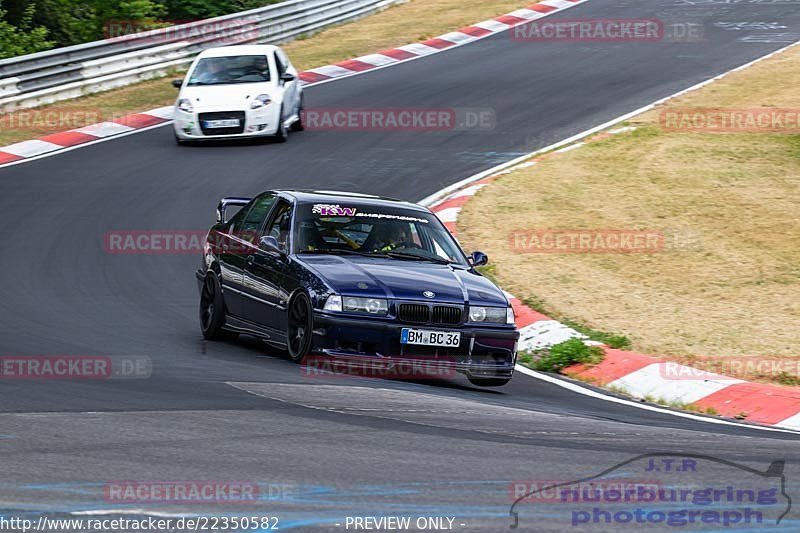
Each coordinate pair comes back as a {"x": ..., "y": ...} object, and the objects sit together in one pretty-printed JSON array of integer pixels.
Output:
[
  {"x": 212, "y": 309},
  {"x": 488, "y": 382},
  {"x": 300, "y": 327}
]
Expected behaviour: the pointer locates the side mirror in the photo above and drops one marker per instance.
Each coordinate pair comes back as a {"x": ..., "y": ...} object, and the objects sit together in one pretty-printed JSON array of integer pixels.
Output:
[
  {"x": 270, "y": 244},
  {"x": 478, "y": 259},
  {"x": 286, "y": 76},
  {"x": 177, "y": 83}
]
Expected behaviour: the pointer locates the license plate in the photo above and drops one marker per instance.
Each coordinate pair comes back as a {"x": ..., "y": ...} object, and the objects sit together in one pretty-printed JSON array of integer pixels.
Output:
[
  {"x": 224, "y": 123},
  {"x": 426, "y": 337}
]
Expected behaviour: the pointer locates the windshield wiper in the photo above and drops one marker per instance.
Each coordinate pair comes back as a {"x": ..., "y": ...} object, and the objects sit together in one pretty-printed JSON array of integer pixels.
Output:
[
  {"x": 405, "y": 255},
  {"x": 332, "y": 251},
  {"x": 338, "y": 251}
]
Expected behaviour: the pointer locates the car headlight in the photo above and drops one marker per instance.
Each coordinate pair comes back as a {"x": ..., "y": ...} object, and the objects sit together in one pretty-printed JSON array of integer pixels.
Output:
[
  {"x": 352, "y": 304},
  {"x": 261, "y": 100},
  {"x": 493, "y": 315},
  {"x": 333, "y": 303},
  {"x": 510, "y": 318},
  {"x": 185, "y": 105},
  {"x": 371, "y": 306}
]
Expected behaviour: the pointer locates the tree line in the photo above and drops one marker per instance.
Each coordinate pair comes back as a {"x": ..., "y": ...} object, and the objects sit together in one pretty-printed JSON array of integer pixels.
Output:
[{"x": 28, "y": 26}]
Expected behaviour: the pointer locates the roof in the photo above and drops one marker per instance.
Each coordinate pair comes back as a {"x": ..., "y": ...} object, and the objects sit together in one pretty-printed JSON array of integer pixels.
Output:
[
  {"x": 239, "y": 50},
  {"x": 303, "y": 196}
]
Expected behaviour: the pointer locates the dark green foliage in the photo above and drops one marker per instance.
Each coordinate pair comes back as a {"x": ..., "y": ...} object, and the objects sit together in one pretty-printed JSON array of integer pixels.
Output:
[{"x": 24, "y": 37}]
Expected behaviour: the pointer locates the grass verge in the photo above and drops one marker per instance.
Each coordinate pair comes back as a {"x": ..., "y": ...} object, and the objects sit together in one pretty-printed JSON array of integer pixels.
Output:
[
  {"x": 723, "y": 290},
  {"x": 396, "y": 26}
]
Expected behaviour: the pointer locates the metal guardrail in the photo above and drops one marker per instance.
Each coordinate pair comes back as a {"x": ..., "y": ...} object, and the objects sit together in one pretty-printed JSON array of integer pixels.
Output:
[{"x": 46, "y": 77}]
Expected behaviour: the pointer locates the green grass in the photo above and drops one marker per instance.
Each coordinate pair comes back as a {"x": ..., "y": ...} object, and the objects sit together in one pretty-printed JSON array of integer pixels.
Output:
[{"x": 560, "y": 356}]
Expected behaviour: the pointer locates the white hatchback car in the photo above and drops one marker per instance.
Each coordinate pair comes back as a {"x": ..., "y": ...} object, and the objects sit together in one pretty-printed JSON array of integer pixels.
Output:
[{"x": 238, "y": 91}]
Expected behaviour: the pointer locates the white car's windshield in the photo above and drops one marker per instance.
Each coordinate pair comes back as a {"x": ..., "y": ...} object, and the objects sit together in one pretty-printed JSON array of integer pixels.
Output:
[
  {"x": 229, "y": 70},
  {"x": 401, "y": 234}
]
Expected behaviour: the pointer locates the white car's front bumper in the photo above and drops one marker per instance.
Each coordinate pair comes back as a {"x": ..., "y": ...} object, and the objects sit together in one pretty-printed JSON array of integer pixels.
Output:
[{"x": 263, "y": 121}]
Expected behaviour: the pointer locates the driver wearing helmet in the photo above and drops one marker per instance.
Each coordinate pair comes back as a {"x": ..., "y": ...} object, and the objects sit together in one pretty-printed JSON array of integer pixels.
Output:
[
  {"x": 390, "y": 236},
  {"x": 212, "y": 71}
]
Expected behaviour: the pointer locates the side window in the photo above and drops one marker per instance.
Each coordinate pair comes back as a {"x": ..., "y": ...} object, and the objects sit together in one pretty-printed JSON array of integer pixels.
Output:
[
  {"x": 236, "y": 220},
  {"x": 255, "y": 217},
  {"x": 281, "y": 225},
  {"x": 279, "y": 65}
]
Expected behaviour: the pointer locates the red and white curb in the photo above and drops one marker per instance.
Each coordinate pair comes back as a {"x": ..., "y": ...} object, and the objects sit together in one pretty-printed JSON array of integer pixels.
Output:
[
  {"x": 640, "y": 376},
  {"x": 21, "y": 151},
  {"x": 26, "y": 150},
  {"x": 459, "y": 37}
]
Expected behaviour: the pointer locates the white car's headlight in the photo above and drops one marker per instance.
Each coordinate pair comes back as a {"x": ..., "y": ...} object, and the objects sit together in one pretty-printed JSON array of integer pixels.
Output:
[
  {"x": 261, "y": 100},
  {"x": 185, "y": 105},
  {"x": 492, "y": 315}
]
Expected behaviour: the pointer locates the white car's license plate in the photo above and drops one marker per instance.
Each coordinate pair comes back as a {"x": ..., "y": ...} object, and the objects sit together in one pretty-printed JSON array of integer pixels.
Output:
[
  {"x": 427, "y": 337},
  {"x": 223, "y": 123}
]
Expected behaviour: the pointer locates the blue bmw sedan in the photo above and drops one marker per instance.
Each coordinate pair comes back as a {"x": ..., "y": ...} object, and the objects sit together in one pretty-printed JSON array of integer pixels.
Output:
[{"x": 350, "y": 276}]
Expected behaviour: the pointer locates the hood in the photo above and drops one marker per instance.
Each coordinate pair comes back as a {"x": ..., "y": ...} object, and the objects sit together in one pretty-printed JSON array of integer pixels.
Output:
[
  {"x": 397, "y": 279},
  {"x": 226, "y": 97}
]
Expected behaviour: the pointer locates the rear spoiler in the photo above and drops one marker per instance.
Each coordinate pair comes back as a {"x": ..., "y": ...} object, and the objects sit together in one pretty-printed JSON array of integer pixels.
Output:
[{"x": 227, "y": 202}]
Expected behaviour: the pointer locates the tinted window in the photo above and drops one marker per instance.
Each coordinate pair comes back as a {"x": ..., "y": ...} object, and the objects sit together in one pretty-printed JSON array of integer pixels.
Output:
[
  {"x": 281, "y": 224},
  {"x": 235, "y": 221},
  {"x": 228, "y": 70},
  {"x": 374, "y": 230},
  {"x": 248, "y": 229}
]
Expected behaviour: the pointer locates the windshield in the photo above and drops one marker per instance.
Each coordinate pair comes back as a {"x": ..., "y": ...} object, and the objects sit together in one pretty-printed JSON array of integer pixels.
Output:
[
  {"x": 228, "y": 70},
  {"x": 401, "y": 234}
]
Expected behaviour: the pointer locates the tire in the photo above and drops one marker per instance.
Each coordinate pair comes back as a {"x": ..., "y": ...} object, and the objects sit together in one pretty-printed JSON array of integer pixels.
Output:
[
  {"x": 488, "y": 382},
  {"x": 212, "y": 309},
  {"x": 299, "y": 331},
  {"x": 282, "y": 134},
  {"x": 298, "y": 125}
]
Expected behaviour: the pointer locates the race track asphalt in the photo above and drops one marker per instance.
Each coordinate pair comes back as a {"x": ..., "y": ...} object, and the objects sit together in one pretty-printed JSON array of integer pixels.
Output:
[{"x": 236, "y": 411}]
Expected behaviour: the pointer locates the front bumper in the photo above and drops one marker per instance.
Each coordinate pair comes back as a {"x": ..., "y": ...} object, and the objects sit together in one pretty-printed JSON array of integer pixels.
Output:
[{"x": 485, "y": 351}]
